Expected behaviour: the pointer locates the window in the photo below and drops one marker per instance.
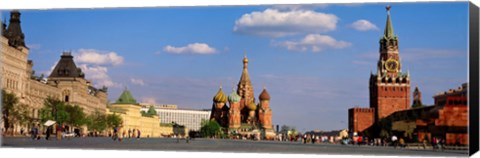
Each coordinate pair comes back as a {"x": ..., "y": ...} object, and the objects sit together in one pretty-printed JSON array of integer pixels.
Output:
[{"x": 66, "y": 98}]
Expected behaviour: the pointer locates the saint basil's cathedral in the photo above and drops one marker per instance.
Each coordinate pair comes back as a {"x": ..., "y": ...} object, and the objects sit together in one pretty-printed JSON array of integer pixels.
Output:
[{"x": 243, "y": 116}]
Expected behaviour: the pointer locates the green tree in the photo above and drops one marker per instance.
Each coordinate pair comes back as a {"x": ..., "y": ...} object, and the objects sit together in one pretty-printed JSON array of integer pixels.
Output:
[
  {"x": 113, "y": 120},
  {"x": 22, "y": 114},
  {"x": 14, "y": 112},
  {"x": 9, "y": 100},
  {"x": 54, "y": 109},
  {"x": 210, "y": 128},
  {"x": 96, "y": 121},
  {"x": 77, "y": 116}
]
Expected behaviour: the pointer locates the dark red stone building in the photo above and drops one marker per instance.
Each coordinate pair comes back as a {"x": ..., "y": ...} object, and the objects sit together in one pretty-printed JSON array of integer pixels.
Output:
[
  {"x": 390, "y": 112},
  {"x": 389, "y": 87}
]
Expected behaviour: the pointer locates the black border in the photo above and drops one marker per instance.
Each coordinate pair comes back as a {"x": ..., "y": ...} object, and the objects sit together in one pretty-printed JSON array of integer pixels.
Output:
[{"x": 473, "y": 79}]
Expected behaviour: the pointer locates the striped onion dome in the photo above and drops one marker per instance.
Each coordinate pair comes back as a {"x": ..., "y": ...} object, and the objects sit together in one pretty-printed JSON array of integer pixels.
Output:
[
  {"x": 220, "y": 97},
  {"x": 234, "y": 97}
]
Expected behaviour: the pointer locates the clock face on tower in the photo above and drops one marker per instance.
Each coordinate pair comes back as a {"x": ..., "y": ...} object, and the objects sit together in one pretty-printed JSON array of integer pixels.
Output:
[{"x": 391, "y": 65}]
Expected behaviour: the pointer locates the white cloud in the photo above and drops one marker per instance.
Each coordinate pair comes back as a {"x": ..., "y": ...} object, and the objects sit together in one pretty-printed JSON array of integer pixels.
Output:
[
  {"x": 136, "y": 81},
  {"x": 276, "y": 23},
  {"x": 149, "y": 100},
  {"x": 34, "y": 46},
  {"x": 92, "y": 56},
  {"x": 314, "y": 43},
  {"x": 98, "y": 75},
  {"x": 287, "y": 7},
  {"x": 194, "y": 48},
  {"x": 363, "y": 25}
]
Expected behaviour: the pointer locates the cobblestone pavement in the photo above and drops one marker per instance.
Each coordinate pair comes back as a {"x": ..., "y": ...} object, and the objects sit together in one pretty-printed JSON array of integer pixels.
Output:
[{"x": 219, "y": 145}]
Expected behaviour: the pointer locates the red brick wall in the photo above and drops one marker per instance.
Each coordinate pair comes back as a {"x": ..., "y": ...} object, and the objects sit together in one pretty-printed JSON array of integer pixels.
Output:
[
  {"x": 360, "y": 119},
  {"x": 391, "y": 98},
  {"x": 454, "y": 138}
]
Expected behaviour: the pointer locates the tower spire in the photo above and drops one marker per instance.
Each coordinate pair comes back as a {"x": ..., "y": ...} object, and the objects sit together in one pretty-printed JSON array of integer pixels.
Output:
[
  {"x": 14, "y": 31},
  {"x": 388, "y": 27}
]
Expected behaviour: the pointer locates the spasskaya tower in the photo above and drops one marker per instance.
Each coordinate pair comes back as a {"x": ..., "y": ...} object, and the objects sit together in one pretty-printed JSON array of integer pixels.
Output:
[{"x": 389, "y": 87}]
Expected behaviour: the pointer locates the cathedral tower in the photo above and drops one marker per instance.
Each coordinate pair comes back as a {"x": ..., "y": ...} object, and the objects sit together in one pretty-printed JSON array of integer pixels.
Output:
[
  {"x": 265, "y": 113},
  {"x": 245, "y": 90},
  {"x": 220, "y": 109},
  {"x": 234, "y": 119},
  {"x": 389, "y": 87}
]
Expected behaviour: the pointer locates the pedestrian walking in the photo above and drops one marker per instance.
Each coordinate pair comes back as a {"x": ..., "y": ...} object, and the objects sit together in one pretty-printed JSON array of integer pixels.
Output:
[
  {"x": 115, "y": 134},
  {"x": 138, "y": 134},
  {"x": 59, "y": 132},
  {"x": 304, "y": 139},
  {"x": 434, "y": 143},
  {"x": 129, "y": 133},
  {"x": 394, "y": 141},
  {"x": 313, "y": 139},
  {"x": 134, "y": 133},
  {"x": 33, "y": 132},
  {"x": 49, "y": 131}
]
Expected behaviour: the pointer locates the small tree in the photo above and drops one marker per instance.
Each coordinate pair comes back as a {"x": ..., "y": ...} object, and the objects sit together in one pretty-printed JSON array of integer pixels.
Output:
[
  {"x": 54, "y": 109},
  {"x": 210, "y": 128},
  {"x": 13, "y": 112},
  {"x": 113, "y": 120},
  {"x": 77, "y": 116},
  {"x": 96, "y": 122},
  {"x": 9, "y": 101}
]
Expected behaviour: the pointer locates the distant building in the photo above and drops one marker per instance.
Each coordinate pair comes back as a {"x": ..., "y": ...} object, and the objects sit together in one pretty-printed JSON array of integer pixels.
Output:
[
  {"x": 66, "y": 82},
  {"x": 129, "y": 110},
  {"x": 190, "y": 118}
]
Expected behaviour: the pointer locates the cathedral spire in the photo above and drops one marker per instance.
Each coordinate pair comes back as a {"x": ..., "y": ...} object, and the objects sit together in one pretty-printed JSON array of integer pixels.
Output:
[
  {"x": 245, "y": 77},
  {"x": 389, "y": 27}
]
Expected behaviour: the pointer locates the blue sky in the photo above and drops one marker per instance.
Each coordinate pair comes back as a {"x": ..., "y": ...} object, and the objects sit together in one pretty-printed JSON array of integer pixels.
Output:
[{"x": 315, "y": 60}]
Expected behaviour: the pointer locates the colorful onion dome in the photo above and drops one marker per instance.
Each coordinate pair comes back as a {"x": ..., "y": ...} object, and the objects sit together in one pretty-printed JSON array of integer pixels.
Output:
[
  {"x": 252, "y": 106},
  {"x": 234, "y": 97},
  {"x": 220, "y": 97},
  {"x": 264, "y": 95}
]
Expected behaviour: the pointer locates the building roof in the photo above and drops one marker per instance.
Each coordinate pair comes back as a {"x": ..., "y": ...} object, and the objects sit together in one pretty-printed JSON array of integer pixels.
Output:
[
  {"x": 252, "y": 106},
  {"x": 245, "y": 78},
  {"x": 66, "y": 67},
  {"x": 220, "y": 97},
  {"x": 264, "y": 95},
  {"x": 234, "y": 97},
  {"x": 126, "y": 98},
  {"x": 14, "y": 31},
  {"x": 389, "y": 27}
]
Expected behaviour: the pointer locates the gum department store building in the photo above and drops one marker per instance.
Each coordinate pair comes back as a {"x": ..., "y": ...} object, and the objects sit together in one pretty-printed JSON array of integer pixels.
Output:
[{"x": 66, "y": 82}]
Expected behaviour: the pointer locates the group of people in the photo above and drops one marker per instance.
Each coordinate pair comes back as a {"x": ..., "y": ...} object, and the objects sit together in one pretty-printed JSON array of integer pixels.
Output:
[
  {"x": 135, "y": 133},
  {"x": 438, "y": 143},
  {"x": 35, "y": 132}
]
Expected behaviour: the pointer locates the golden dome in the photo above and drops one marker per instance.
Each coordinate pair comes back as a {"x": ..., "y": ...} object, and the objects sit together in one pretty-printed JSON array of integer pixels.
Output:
[
  {"x": 245, "y": 59},
  {"x": 252, "y": 106},
  {"x": 220, "y": 97}
]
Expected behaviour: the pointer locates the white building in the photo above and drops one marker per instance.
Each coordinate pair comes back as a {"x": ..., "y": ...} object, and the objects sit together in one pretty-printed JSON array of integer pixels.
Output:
[{"x": 190, "y": 118}]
